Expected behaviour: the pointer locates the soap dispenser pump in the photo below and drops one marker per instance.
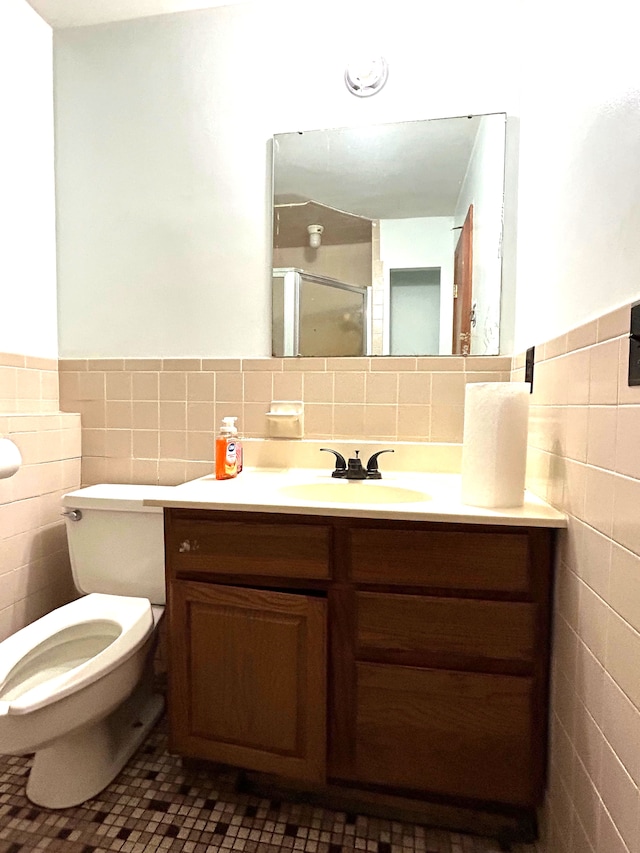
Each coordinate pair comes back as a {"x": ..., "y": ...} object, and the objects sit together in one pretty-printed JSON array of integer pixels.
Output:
[{"x": 227, "y": 450}]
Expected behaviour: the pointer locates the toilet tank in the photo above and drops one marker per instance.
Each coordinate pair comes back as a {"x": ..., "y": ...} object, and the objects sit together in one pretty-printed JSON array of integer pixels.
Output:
[{"x": 116, "y": 545}]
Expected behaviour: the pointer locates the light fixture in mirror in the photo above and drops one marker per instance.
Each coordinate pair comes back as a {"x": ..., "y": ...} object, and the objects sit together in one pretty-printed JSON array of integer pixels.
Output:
[
  {"x": 315, "y": 235},
  {"x": 412, "y": 213}
]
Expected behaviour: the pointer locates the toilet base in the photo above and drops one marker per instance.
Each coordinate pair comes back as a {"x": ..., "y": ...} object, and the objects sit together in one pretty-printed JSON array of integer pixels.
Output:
[{"x": 78, "y": 766}]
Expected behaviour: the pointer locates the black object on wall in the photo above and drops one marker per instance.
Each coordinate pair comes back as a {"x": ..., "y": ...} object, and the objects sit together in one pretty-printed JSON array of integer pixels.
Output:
[
  {"x": 634, "y": 345},
  {"x": 529, "y": 361}
]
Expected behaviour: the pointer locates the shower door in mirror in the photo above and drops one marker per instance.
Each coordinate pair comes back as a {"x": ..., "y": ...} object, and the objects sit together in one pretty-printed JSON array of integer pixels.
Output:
[{"x": 318, "y": 316}]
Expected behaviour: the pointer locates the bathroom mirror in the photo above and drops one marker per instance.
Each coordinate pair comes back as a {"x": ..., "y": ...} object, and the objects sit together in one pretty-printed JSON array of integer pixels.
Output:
[{"x": 387, "y": 239}]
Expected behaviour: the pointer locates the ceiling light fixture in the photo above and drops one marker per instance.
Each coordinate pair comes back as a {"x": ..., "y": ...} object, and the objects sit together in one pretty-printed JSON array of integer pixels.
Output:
[
  {"x": 315, "y": 235},
  {"x": 365, "y": 77}
]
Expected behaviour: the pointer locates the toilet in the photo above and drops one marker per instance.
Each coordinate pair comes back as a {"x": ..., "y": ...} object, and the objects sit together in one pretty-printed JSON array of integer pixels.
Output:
[{"x": 76, "y": 685}]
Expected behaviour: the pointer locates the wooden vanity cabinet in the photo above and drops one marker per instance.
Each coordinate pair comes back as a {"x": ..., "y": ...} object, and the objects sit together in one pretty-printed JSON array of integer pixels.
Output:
[{"x": 387, "y": 656}]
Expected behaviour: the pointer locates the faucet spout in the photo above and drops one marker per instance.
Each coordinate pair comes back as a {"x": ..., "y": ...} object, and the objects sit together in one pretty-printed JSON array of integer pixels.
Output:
[{"x": 355, "y": 468}]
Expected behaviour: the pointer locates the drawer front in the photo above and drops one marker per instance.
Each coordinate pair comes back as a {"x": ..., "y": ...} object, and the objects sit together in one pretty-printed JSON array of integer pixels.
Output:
[
  {"x": 454, "y": 733},
  {"x": 492, "y": 562},
  {"x": 421, "y": 630},
  {"x": 248, "y": 548}
]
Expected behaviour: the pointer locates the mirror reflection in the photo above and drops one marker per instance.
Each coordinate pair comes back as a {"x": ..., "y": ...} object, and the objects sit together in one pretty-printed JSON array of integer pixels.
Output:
[{"x": 387, "y": 239}]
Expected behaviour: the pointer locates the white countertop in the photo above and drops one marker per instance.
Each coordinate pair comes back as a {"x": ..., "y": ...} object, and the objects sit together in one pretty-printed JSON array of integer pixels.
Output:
[{"x": 431, "y": 497}]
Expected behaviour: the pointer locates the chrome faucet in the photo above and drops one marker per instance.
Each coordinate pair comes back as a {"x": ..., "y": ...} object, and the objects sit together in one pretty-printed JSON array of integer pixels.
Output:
[{"x": 354, "y": 469}]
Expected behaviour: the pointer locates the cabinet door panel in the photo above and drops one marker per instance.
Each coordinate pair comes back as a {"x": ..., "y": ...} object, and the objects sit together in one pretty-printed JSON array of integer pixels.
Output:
[
  {"x": 424, "y": 630},
  {"x": 247, "y": 678},
  {"x": 248, "y": 548},
  {"x": 441, "y": 559},
  {"x": 454, "y": 733}
]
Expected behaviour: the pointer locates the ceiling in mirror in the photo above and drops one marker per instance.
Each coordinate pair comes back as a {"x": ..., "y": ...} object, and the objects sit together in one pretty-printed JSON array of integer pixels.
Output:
[
  {"x": 390, "y": 171},
  {"x": 410, "y": 215}
]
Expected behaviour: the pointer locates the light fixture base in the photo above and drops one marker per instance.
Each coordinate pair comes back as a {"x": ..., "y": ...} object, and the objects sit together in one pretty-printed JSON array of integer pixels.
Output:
[
  {"x": 315, "y": 235},
  {"x": 365, "y": 77}
]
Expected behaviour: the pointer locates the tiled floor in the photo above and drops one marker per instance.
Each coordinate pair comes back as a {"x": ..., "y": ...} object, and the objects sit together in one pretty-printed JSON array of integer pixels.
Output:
[{"x": 157, "y": 805}]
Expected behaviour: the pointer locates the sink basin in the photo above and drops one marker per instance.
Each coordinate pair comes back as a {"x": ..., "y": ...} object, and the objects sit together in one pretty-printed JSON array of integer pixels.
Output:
[{"x": 352, "y": 492}]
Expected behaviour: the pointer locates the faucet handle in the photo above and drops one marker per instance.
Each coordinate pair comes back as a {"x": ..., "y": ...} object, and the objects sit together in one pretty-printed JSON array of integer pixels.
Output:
[
  {"x": 341, "y": 465},
  {"x": 372, "y": 465}
]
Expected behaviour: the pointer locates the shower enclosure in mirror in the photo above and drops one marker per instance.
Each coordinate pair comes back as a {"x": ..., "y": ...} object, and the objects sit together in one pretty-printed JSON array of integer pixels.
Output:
[
  {"x": 314, "y": 315},
  {"x": 408, "y": 216}
]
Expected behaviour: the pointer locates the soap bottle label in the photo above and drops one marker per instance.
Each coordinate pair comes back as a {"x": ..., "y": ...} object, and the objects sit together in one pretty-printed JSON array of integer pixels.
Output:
[
  {"x": 230, "y": 458},
  {"x": 226, "y": 458}
]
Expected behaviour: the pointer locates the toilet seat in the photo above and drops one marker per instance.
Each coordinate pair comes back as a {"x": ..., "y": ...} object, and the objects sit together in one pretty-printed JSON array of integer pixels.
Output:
[{"x": 74, "y": 645}]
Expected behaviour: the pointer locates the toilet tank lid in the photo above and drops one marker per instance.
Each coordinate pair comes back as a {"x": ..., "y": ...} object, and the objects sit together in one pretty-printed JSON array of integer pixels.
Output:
[{"x": 115, "y": 496}]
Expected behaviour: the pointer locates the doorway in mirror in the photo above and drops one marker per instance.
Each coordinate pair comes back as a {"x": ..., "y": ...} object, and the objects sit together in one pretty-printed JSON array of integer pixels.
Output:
[{"x": 414, "y": 311}]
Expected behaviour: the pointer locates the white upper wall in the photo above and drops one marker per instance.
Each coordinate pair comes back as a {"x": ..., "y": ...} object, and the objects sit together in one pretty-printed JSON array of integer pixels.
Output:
[
  {"x": 163, "y": 157},
  {"x": 579, "y": 175},
  {"x": 27, "y": 207}
]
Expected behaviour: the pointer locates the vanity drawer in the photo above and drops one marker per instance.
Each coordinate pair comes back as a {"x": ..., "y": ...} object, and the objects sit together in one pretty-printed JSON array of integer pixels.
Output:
[
  {"x": 423, "y": 630},
  {"x": 447, "y": 560},
  {"x": 463, "y": 734},
  {"x": 248, "y": 548}
]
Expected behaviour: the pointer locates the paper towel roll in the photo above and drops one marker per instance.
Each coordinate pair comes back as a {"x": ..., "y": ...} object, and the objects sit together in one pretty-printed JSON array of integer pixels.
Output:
[
  {"x": 494, "y": 447},
  {"x": 10, "y": 458}
]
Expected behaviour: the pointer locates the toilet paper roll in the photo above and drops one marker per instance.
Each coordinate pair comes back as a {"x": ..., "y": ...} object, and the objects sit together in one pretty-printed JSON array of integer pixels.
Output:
[
  {"x": 10, "y": 458},
  {"x": 494, "y": 446}
]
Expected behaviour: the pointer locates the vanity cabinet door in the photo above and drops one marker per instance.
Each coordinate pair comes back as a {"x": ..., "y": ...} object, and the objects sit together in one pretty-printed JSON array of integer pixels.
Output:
[
  {"x": 247, "y": 678},
  {"x": 464, "y": 734}
]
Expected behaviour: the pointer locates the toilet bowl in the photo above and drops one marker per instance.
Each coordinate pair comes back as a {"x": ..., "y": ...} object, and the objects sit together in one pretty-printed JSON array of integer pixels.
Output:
[{"x": 76, "y": 685}]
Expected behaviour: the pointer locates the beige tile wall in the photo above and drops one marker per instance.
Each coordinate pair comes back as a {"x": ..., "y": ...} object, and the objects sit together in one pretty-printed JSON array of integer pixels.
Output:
[
  {"x": 28, "y": 384},
  {"x": 35, "y": 576},
  {"x": 153, "y": 420},
  {"x": 584, "y": 457}
]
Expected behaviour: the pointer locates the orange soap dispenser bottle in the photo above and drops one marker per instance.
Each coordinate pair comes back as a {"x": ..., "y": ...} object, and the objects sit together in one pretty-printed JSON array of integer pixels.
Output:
[{"x": 227, "y": 450}]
